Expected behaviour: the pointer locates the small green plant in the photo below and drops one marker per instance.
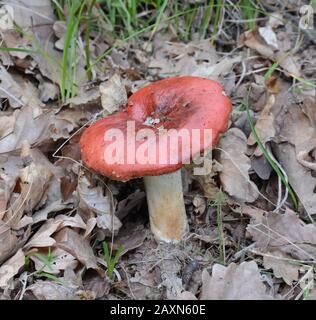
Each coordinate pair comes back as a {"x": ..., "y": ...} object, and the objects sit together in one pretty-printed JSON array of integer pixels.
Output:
[
  {"x": 111, "y": 262},
  {"x": 47, "y": 260},
  {"x": 218, "y": 203},
  {"x": 69, "y": 58},
  {"x": 250, "y": 11},
  {"x": 270, "y": 71}
]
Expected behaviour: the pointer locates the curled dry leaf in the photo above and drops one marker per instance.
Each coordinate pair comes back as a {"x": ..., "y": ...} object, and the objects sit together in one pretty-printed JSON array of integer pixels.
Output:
[
  {"x": 269, "y": 36},
  {"x": 217, "y": 70},
  {"x": 275, "y": 20},
  {"x": 235, "y": 282},
  {"x": 11, "y": 267},
  {"x": 98, "y": 285},
  {"x": 235, "y": 172},
  {"x": 85, "y": 97},
  {"x": 9, "y": 173},
  {"x": 296, "y": 152},
  {"x": 284, "y": 232},
  {"x": 109, "y": 222},
  {"x": 286, "y": 60},
  {"x": 172, "y": 58},
  {"x": 130, "y": 240},
  {"x": 282, "y": 266},
  {"x": 297, "y": 173},
  {"x": 76, "y": 245},
  {"x": 45, "y": 125},
  {"x": 43, "y": 237},
  {"x": 47, "y": 91},
  {"x": 68, "y": 221},
  {"x": 49, "y": 290},
  {"x": 8, "y": 241},
  {"x": 60, "y": 29},
  {"x": 113, "y": 94},
  {"x": 264, "y": 126},
  {"x": 36, "y": 20},
  {"x": 58, "y": 205},
  {"x": 34, "y": 180},
  {"x": 94, "y": 200},
  {"x": 186, "y": 295},
  {"x": 18, "y": 90}
]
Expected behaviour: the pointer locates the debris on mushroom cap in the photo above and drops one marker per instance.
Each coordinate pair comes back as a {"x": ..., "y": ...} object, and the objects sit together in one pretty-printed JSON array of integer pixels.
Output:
[
  {"x": 151, "y": 122},
  {"x": 175, "y": 103}
]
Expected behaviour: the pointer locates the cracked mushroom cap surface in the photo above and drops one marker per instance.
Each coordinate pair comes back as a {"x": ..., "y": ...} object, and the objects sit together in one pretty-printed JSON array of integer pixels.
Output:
[{"x": 150, "y": 136}]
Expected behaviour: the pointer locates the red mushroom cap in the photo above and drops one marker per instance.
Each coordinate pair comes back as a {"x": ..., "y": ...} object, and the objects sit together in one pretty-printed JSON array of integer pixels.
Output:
[{"x": 181, "y": 103}]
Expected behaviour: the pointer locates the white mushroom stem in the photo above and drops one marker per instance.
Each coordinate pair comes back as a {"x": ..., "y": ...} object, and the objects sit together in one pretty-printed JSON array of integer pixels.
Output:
[{"x": 166, "y": 208}]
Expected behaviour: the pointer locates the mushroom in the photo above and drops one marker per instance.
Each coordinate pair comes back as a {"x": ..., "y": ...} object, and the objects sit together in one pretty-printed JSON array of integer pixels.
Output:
[{"x": 137, "y": 142}]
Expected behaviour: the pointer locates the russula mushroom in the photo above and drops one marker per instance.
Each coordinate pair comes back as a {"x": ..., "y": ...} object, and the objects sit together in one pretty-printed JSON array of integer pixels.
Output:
[{"x": 136, "y": 142}]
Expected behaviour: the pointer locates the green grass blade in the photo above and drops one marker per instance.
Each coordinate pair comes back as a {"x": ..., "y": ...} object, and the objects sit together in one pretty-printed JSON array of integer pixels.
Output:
[{"x": 270, "y": 160}]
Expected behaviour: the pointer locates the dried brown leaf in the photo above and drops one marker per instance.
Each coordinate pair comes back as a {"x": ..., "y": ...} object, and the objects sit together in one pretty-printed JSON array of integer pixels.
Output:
[
  {"x": 113, "y": 94},
  {"x": 297, "y": 174},
  {"x": 18, "y": 90},
  {"x": 282, "y": 266},
  {"x": 8, "y": 241},
  {"x": 11, "y": 267},
  {"x": 286, "y": 233},
  {"x": 76, "y": 245},
  {"x": 286, "y": 60},
  {"x": 93, "y": 199},
  {"x": 45, "y": 125},
  {"x": 235, "y": 282},
  {"x": 43, "y": 237},
  {"x": 235, "y": 172},
  {"x": 49, "y": 290},
  {"x": 264, "y": 125}
]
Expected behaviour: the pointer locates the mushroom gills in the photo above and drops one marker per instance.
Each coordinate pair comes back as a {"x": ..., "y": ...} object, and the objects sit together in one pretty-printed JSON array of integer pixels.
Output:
[{"x": 167, "y": 214}]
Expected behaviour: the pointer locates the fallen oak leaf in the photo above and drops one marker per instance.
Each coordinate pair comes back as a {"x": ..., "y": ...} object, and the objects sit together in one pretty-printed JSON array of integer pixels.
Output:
[
  {"x": 264, "y": 125},
  {"x": 19, "y": 91},
  {"x": 297, "y": 173},
  {"x": 113, "y": 94},
  {"x": 284, "y": 232},
  {"x": 235, "y": 282},
  {"x": 8, "y": 241},
  {"x": 281, "y": 265},
  {"x": 49, "y": 290},
  {"x": 76, "y": 245},
  {"x": 252, "y": 39},
  {"x": 11, "y": 267},
  {"x": 43, "y": 236},
  {"x": 34, "y": 180},
  {"x": 235, "y": 166},
  {"x": 68, "y": 221},
  {"x": 93, "y": 199},
  {"x": 45, "y": 125}
]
